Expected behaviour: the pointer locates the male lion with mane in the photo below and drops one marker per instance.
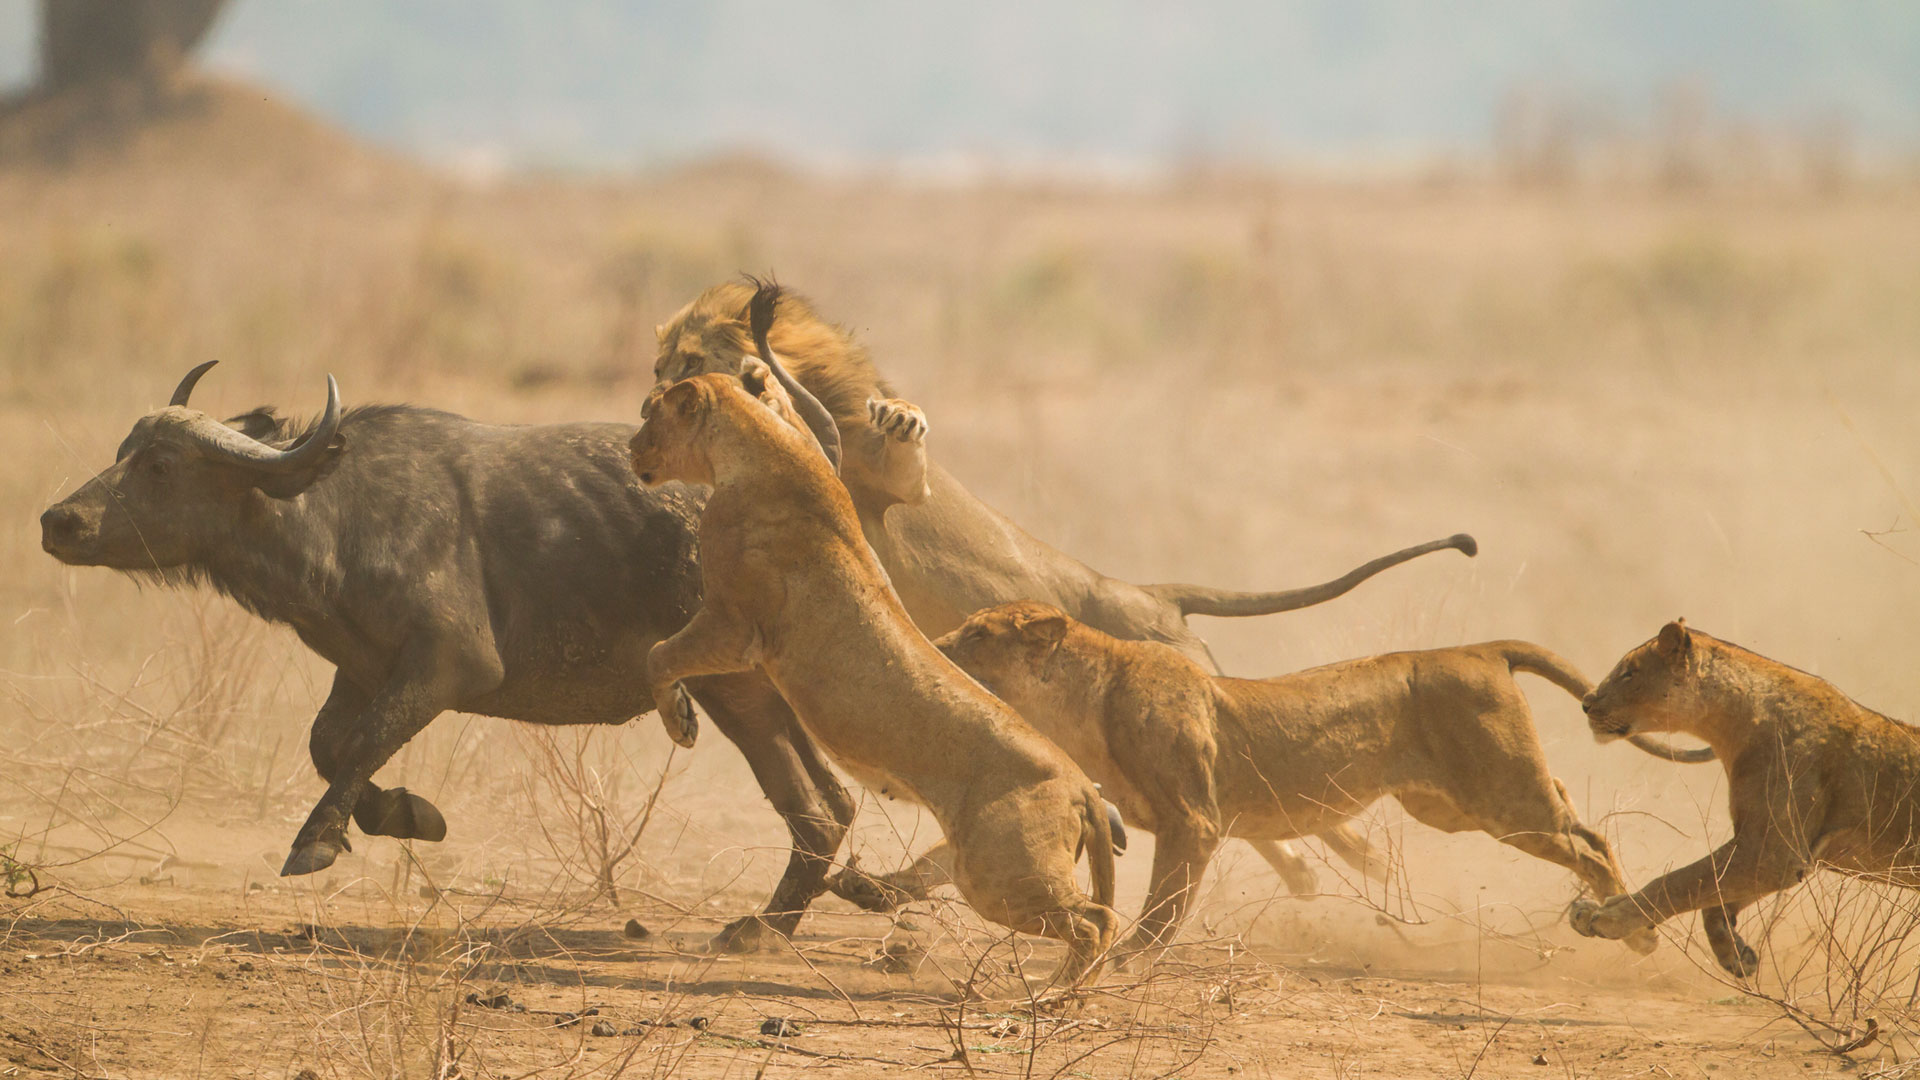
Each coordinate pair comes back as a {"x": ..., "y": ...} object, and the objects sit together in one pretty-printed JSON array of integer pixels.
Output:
[
  {"x": 1813, "y": 779},
  {"x": 947, "y": 553}
]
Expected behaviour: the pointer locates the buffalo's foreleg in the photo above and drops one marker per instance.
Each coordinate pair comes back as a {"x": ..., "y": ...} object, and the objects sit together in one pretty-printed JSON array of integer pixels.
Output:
[
  {"x": 424, "y": 683},
  {"x": 394, "y": 812},
  {"x": 797, "y": 781}
]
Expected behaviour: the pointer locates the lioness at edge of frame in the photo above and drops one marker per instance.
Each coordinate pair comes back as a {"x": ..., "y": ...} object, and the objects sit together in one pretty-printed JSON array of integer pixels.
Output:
[
  {"x": 792, "y": 588},
  {"x": 1814, "y": 779}
]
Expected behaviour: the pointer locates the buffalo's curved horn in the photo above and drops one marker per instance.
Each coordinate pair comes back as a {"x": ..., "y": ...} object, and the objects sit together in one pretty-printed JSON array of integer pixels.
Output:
[
  {"x": 185, "y": 390},
  {"x": 240, "y": 449}
]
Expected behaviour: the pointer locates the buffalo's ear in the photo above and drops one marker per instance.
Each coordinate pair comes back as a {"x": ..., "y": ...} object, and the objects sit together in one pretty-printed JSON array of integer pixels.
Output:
[
  {"x": 262, "y": 424},
  {"x": 287, "y": 485},
  {"x": 1675, "y": 640},
  {"x": 1043, "y": 632}
]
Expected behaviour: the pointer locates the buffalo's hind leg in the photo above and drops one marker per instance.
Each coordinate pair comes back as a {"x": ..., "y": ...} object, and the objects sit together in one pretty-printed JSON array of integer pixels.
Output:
[{"x": 796, "y": 779}]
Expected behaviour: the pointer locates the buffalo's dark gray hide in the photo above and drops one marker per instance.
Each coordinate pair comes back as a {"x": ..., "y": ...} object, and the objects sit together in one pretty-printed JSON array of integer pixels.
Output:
[{"x": 439, "y": 564}]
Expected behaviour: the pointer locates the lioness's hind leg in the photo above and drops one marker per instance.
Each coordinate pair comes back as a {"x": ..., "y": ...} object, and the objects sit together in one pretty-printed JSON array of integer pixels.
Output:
[
  {"x": 1008, "y": 873},
  {"x": 1542, "y": 823},
  {"x": 1180, "y": 857},
  {"x": 1088, "y": 928},
  {"x": 1729, "y": 947}
]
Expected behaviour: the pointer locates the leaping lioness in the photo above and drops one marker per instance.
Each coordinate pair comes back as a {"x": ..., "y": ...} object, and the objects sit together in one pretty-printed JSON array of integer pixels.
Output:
[
  {"x": 1813, "y": 779},
  {"x": 792, "y": 588}
]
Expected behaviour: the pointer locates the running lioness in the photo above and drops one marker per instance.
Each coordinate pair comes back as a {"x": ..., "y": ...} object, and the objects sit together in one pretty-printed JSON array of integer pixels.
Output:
[
  {"x": 793, "y": 589},
  {"x": 1813, "y": 779},
  {"x": 1194, "y": 758}
]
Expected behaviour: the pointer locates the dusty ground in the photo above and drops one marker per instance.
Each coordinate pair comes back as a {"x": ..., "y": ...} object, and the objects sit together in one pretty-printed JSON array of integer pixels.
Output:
[
  {"x": 1644, "y": 404},
  {"x": 268, "y": 980}
]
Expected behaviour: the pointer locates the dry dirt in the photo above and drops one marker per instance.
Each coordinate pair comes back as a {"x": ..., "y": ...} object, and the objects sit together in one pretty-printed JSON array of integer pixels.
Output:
[
  {"x": 235, "y": 977},
  {"x": 1644, "y": 404}
]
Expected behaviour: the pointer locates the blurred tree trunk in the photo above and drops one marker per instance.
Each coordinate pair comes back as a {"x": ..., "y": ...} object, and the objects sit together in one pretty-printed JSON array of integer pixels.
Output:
[{"x": 94, "y": 42}]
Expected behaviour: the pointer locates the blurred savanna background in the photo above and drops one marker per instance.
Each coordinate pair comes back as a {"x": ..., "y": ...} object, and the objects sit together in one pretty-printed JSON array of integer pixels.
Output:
[{"x": 1235, "y": 293}]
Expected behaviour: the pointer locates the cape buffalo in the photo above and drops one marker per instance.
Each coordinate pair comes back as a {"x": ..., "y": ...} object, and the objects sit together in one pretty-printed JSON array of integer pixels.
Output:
[{"x": 439, "y": 563}]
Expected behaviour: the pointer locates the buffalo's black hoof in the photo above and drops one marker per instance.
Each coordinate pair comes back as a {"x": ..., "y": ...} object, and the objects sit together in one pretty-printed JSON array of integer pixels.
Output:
[
  {"x": 751, "y": 934},
  {"x": 400, "y": 813},
  {"x": 311, "y": 858}
]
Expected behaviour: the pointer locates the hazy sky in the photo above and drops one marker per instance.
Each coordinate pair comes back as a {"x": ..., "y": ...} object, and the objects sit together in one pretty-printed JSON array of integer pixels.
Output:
[{"x": 1123, "y": 81}]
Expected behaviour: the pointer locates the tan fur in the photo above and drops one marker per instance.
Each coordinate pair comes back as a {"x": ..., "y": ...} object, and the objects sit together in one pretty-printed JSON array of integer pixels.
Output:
[
  {"x": 947, "y": 553},
  {"x": 1813, "y": 779},
  {"x": 1195, "y": 758},
  {"x": 882, "y": 438},
  {"x": 792, "y": 588}
]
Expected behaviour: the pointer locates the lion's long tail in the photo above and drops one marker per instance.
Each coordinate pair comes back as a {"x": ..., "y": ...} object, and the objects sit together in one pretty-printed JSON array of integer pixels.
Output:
[
  {"x": 1227, "y": 603},
  {"x": 1534, "y": 660},
  {"x": 1102, "y": 836}
]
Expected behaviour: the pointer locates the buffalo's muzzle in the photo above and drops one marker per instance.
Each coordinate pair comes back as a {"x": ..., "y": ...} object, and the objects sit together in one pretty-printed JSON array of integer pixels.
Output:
[{"x": 64, "y": 530}]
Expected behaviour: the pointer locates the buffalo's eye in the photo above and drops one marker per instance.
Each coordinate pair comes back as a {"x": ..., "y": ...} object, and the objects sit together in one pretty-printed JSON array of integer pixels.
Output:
[{"x": 157, "y": 468}]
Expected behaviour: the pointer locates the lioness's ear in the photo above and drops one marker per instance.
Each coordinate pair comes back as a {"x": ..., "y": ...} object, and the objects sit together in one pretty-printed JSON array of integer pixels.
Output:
[
  {"x": 660, "y": 332},
  {"x": 1675, "y": 639},
  {"x": 684, "y": 399},
  {"x": 1045, "y": 631}
]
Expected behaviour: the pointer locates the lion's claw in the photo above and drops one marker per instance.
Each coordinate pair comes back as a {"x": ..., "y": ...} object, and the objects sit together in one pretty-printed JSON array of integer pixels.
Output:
[{"x": 896, "y": 419}]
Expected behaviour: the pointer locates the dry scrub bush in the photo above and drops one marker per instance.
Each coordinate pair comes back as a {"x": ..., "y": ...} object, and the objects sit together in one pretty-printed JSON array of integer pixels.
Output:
[{"x": 588, "y": 801}]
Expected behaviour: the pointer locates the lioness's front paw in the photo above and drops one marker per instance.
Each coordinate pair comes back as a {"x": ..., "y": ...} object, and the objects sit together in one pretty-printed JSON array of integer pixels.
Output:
[
  {"x": 1614, "y": 919},
  {"x": 681, "y": 722},
  {"x": 897, "y": 419}
]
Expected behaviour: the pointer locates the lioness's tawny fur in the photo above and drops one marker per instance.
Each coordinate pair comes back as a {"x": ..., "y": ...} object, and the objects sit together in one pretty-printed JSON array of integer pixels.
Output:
[
  {"x": 792, "y": 588},
  {"x": 1195, "y": 758},
  {"x": 949, "y": 554},
  {"x": 1813, "y": 779}
]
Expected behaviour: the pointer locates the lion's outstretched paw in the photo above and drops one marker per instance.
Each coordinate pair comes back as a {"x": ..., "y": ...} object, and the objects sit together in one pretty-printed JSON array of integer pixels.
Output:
[
  {"x": 1581, "y": 917},
  {"x": 896, "y": 419},
  {"x": 681, "y": 722}
]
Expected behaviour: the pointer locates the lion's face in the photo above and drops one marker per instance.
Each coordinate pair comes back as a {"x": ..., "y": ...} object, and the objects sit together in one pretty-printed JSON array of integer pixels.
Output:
[
  {"x": 1008, "y": 649},
  {"x": 699, "y": 343},
  {"x": 1653, "y": 688}
]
